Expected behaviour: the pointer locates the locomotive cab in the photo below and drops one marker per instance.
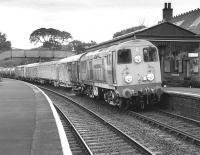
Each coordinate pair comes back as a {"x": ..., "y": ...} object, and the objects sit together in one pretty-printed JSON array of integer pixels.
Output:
[{"x": 138, "y": 71}]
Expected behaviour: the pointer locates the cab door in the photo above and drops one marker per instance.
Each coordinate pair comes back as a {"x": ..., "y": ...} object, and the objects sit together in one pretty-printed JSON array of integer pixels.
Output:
[
  {"x": 109, "y": 68},
  {"x": 114, "y": 67},
  {"x": 90, "y": 70}
]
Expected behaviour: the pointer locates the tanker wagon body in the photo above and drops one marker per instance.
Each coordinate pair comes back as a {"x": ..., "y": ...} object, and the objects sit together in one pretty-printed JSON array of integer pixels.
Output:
[
  {"x": 47, "y": 72},
  {"x": 68, "y": 71}
]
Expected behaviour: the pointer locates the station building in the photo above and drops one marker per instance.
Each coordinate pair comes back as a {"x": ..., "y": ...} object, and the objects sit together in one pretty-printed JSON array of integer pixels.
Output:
[{"x": 178, "y": 42}]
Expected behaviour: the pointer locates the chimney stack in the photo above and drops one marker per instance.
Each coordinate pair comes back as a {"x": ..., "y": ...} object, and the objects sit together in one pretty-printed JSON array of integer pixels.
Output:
[{"x": 167, "y": 12}]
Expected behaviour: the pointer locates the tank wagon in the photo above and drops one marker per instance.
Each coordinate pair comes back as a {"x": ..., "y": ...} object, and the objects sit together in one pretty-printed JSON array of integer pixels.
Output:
[
  {"x": 20, "y": 72},
  {"x": 7, "y": 72},
  {"x": 31, "y": 72},
  {"x": 47, "y": 72},
  {"x": 68, "y": 71}
]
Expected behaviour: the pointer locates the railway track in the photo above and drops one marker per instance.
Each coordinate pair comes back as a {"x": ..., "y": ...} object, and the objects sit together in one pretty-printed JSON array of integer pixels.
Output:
[
  {"x": 97, "y": 135},
  {"x": 77, "y": 144},
  {"x": 152, "y": 137},
  {"x": 183, "y": 127}
]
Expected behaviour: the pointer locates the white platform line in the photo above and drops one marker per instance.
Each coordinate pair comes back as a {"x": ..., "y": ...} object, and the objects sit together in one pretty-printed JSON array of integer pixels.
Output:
[
  {"x": 63, "y": 138},
  {"x": 178, "y": 92}
]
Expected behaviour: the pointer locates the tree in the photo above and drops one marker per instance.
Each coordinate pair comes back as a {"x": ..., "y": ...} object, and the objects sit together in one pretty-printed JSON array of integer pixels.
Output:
[
  {"x": 129, "y": 30},
  {"x": 80, "y": 47},
  {"x": 50, "y": 38},
  {"x": 4, "y": 44}
]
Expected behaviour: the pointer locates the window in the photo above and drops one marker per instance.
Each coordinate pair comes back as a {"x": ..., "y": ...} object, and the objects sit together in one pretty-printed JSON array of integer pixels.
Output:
[
  {"x": 180, "y": 66},
  {"x": 194, "y": 65},
  {"x": 150, "y": 54},
  {"x": 166, "y": 66},
  {"x": 177, "y": 62},
  {"x": 124, "y": 56}
]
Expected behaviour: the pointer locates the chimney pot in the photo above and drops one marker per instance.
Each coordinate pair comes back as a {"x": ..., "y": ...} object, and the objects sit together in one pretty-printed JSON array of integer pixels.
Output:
[
  {"x": 169, "y": 5},
  {"x": 165, "y": 6}
]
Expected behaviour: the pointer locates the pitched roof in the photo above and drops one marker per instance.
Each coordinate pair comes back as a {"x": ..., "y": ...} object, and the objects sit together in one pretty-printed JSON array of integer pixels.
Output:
[
  {"x": 189, "y": 20},
  {"x": 162, "y": 31}
]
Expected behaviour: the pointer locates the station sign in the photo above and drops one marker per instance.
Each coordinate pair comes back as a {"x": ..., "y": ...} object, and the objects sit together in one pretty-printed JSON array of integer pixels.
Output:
[{"x": 193, "y": 55}]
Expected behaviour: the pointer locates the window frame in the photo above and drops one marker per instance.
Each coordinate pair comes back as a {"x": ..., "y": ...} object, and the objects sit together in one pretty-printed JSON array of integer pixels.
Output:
[
  {"x": 129, "y": 57},
  {"x": 155, "y": 57},
  {"x": 169, "y": 68}
]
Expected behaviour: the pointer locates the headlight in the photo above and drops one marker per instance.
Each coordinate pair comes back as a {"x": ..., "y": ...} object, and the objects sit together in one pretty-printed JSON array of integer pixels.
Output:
[
  {"x": 138, "y": 59},
  {"x": 150, "y": 77},
  {"x": 128, "y": 78}
]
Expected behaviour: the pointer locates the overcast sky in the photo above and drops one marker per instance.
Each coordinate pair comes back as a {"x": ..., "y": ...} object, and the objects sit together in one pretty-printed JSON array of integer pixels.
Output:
[{"x": 86, "y": 20}]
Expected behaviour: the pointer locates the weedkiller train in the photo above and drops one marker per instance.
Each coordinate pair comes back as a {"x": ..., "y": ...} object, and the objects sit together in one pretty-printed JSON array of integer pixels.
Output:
[{"x": 123, "y": 74}]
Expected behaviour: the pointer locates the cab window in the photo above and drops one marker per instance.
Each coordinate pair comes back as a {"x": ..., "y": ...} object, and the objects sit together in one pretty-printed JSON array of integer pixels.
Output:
[
  {"x": 150, "y": 54},
  {"x": 124, "y": 56}
]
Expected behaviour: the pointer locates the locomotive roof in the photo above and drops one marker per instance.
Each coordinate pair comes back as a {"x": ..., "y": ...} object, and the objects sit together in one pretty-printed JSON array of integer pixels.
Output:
[
  {"x": 137, "y": 42},
  {"x": 99, "y": 52},
  {"x": 48, "y": 63},
  {"x": 70, "y": 59},
  {"x": 20, "y": 66},
  {"x": 104, "y": 51},
  {"x": 33, "y": 64}
]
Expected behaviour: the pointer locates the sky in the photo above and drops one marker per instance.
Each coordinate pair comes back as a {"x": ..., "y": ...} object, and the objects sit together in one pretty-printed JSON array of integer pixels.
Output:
[{"x": 85, "y": 20}]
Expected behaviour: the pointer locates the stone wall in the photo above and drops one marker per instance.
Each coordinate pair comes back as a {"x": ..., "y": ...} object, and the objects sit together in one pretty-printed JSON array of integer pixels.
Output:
[{"x": 187, "y": 106}]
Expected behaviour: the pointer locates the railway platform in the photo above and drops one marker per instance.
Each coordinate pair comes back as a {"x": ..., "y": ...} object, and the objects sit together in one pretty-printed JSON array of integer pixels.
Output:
[
  {"x": 182, "y": 101},
  {"x": 193, "y": 92},
  {"x": 28, "y": 125}
]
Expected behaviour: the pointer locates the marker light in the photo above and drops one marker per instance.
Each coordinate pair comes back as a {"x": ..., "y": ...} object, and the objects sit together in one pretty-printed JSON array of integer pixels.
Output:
[
  {"x": 128, "y": 78},
  {"x": 138, "y": 59},
  {"x": 150, "y": 76}
]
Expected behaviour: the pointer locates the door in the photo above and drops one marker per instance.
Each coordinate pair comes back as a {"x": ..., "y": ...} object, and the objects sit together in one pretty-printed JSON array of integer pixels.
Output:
[
  {"x": 114, "y": 66},
  {"x": 186, "y": 68},
  {"x": 91, "y": 72}
]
